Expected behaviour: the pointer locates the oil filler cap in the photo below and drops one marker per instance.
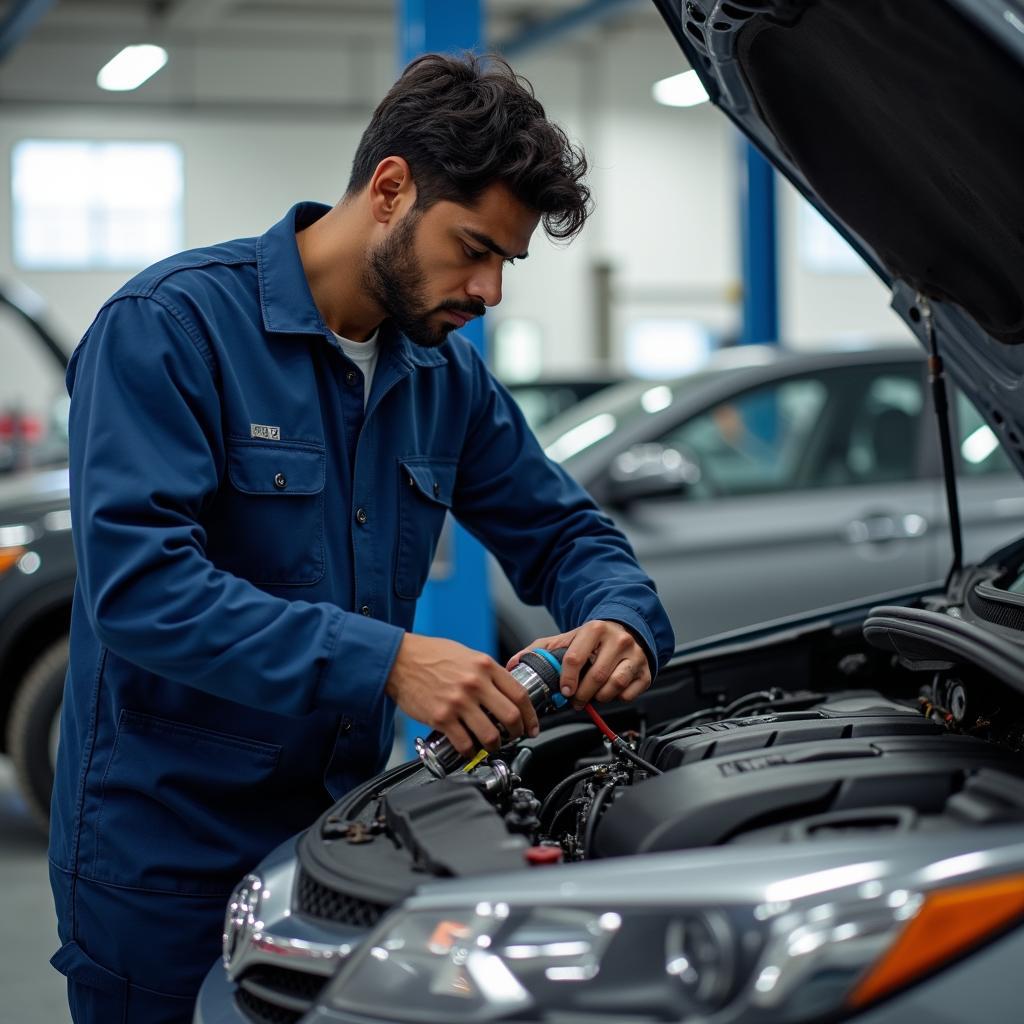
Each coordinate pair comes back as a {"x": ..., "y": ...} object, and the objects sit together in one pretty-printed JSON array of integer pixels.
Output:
[{"x": 537, "y": 856}]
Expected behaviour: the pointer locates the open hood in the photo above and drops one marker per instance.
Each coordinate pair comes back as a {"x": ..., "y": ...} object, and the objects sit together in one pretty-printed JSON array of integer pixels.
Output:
[{"x": 900, "y": 121}]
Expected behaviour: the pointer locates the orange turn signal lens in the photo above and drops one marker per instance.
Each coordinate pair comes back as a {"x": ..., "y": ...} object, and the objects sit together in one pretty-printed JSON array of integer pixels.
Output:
[
  {"x": 9, "y": 557},
  {"x": 951, "y": 922}
]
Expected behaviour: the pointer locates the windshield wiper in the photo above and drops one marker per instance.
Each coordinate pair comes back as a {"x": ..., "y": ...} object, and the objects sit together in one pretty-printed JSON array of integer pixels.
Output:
[{"x": 937, "y": 381}]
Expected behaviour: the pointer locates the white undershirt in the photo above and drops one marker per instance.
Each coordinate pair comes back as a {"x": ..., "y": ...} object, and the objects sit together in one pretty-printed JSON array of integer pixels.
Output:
[{"x": 364, "y": 355}]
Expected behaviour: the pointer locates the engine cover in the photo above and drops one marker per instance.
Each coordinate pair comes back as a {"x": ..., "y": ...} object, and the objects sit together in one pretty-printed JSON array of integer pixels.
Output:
[{"x": 799, "y": 774}]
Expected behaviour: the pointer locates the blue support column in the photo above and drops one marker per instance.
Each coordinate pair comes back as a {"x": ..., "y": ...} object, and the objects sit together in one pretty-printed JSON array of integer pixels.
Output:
[
  {"x": 759, "y": 249},
  {"x": 760, "y": 277},
  {"x": 438, "y": 26},
  {"x": 456, "y": 603},
  {"x": 22, "y": 17}
]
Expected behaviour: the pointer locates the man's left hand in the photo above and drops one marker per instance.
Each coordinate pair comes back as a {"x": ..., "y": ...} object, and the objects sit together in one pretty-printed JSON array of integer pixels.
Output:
[{"x": 619, "y": 669}]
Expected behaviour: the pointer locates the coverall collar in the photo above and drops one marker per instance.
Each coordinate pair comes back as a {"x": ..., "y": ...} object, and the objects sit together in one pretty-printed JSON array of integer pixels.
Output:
[{"x": 285, "y": 298}]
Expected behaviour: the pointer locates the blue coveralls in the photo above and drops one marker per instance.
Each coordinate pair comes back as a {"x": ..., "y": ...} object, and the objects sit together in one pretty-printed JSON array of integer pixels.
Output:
[{"x": 250, "y": 549}]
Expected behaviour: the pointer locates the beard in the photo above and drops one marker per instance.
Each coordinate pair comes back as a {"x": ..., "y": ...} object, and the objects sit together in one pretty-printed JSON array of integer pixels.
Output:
[{"x": 394, "y": 278}]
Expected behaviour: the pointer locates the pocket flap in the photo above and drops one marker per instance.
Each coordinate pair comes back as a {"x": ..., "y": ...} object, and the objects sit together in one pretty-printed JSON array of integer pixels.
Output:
[
  {"x": 75, "y": 964},
  {"x": 273, "y": 469},
  {"x": 434, "y": 478}
]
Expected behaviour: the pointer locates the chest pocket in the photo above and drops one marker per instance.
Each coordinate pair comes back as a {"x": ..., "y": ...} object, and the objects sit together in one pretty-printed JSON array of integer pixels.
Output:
[
  {"x": 270, "y": 522},
  {"x": 424, "y": 497}
]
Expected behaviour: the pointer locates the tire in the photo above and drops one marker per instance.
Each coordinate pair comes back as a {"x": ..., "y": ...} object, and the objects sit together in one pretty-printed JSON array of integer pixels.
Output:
[{"x": 31, "y": 727}]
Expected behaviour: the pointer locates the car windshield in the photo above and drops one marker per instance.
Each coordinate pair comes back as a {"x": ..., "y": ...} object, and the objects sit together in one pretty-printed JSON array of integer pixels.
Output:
[{"x": 601, "y": 415}]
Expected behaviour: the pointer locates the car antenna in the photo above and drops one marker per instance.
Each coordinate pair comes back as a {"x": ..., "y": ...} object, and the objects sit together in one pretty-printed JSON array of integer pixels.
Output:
[{"x": 937, "y": 382}]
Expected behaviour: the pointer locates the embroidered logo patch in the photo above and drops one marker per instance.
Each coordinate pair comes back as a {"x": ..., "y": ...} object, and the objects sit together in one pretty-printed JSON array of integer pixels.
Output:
[{"x": 265, "y": 432}]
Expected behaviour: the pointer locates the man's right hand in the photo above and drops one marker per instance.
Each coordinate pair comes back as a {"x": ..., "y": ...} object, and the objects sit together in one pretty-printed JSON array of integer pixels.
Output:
[{"x": 449, "y": 686}]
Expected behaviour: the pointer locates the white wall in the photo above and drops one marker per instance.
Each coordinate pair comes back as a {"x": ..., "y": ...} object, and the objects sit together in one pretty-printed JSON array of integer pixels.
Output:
[{"x": 814, "y": 307}]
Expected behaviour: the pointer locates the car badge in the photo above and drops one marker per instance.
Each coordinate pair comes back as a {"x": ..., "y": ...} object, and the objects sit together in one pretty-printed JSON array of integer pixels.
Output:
[{"x": 242, "y": 921}]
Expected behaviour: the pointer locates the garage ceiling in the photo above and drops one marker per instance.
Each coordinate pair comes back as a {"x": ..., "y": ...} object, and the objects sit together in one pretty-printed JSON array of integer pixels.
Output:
[{"x": 331, "y": 54}]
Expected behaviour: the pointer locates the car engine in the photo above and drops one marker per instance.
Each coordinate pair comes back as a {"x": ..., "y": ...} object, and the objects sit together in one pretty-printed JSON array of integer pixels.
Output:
[
  {"x": 859, "y": 722},
  {"x": 906, "y": 718}
]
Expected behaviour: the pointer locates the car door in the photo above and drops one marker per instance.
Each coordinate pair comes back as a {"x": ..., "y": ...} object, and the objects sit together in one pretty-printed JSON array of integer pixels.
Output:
[{"x": 812, "y": 491}]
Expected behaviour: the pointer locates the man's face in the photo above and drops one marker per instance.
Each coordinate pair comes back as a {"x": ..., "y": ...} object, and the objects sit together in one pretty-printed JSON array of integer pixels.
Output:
[{"x": 437, "y": 269}]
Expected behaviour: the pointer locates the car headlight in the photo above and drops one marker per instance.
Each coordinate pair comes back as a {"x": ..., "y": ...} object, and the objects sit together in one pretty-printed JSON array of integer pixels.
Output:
[
  {"x": 14, "y": 541},
  {"x": 815, "y": 944}
]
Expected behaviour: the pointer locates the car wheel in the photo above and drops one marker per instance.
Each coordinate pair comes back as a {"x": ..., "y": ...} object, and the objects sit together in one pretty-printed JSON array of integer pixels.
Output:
[{"x": 33, "y": 728}]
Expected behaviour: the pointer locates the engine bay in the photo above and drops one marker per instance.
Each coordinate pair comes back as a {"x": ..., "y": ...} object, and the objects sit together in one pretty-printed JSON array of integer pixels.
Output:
[{"x": 900, "y": 718}]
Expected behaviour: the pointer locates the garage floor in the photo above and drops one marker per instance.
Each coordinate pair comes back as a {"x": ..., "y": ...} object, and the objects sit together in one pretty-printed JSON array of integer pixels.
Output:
[{"x": 31, "y": 991}]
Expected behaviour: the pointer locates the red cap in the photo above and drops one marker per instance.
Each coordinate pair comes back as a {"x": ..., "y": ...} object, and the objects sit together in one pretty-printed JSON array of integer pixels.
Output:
[{"x": 537, "y": 855}]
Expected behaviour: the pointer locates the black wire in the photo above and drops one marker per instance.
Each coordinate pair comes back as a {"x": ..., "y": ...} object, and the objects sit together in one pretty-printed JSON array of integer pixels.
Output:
[
  {"x": 622, "y": 747},
  {"x": 595, "y": 813},
  {"x": 555, "y": 793}
]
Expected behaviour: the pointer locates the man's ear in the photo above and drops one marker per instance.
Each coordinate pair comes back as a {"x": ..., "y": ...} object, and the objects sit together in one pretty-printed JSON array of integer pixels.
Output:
[{"x": 391, "y": 190}]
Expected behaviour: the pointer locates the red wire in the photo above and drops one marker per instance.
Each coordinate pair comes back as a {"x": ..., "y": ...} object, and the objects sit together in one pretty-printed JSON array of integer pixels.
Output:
[{"x": 600, "y": 722}]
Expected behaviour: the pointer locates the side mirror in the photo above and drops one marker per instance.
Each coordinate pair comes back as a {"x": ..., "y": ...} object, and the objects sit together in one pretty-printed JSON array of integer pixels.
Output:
[{"x": 651, "y": 471}]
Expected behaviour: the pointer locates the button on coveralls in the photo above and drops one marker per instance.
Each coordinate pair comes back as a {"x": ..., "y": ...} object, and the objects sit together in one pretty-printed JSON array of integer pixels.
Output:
[{"x": 234, "y": 619}]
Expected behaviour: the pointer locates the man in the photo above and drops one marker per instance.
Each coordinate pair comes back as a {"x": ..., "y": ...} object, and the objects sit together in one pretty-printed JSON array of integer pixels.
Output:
[{"x": 265, "y": 438}]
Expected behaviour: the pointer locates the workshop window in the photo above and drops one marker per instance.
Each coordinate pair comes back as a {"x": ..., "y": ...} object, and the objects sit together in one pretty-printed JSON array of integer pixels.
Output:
[{"x": 90, "y": 205}]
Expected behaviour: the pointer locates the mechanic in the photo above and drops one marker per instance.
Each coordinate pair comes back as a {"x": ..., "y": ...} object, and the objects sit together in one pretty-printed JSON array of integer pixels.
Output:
[{"x": 265, "y": 438}]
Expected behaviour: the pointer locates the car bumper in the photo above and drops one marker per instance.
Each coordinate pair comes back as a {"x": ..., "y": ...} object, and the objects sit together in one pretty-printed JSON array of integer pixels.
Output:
[{"x": 216, "y": 1003}]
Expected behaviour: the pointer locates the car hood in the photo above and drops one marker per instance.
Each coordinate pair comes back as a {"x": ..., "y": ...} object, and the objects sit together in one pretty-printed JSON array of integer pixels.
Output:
[{"x": 899, "y": 121}]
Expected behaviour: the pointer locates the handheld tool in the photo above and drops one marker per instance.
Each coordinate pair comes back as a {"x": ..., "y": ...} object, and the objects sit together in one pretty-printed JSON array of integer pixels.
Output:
[{"x": 538, "y": 673}]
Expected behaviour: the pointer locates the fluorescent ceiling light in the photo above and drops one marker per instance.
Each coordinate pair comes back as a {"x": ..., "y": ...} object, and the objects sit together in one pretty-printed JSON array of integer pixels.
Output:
[
  {"x": 683, "y": 90},
  {"x": 131, "y": 67}
]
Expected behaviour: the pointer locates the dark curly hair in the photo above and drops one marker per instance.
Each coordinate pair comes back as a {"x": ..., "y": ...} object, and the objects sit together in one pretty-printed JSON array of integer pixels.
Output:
[{"x": 464, "y": 123}]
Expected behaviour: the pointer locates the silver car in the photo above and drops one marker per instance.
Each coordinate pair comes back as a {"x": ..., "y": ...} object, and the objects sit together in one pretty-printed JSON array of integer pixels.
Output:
[{"x": 774, "y": 483}]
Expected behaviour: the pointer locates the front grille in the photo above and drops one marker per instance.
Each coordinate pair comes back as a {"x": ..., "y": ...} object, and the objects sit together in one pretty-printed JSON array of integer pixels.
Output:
[
  {"x": 279, "y": 980},
  {"x": 259, "y": 1011},
  {"x": 276, "y": 995},
  {"x": 328, "y": 904}
]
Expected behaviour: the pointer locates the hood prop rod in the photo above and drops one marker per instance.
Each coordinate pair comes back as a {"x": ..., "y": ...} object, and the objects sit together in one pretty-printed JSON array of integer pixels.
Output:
[{"x": 937, "y": 382}]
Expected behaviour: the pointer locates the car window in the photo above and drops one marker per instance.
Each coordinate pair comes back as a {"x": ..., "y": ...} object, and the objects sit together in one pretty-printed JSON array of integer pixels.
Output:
[
  {"x": 980, "y": 451},
  {"x": 753, "y": 443},
  {"x": 847, "y": 427},
  {"x": 590, "y": 421},
  {"x": 881, "y": 444},
  {"x": 544, "y": 401}
]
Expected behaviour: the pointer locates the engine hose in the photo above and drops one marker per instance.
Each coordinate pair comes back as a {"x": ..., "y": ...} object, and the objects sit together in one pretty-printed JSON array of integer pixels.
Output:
[
  {"x": 569, "y": 780},
  {"x": 617, "y": 742},
  {"x": 620, "y": 746},
  {"x": 596, "y": 806}
]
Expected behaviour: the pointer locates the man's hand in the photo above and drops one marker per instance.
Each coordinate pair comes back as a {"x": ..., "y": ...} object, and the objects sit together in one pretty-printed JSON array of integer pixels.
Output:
[
  {"x": 619, "y": 671},
  {"x": 449, "y": 687}
]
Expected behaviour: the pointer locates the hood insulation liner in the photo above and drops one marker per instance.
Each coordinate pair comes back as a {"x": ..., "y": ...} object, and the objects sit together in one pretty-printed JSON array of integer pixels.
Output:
[{"x": 908, "y": 122}]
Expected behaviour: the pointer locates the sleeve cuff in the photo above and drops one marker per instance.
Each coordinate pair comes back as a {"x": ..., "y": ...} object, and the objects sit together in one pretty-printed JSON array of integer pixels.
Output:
[{"x": 354, "y": 676}]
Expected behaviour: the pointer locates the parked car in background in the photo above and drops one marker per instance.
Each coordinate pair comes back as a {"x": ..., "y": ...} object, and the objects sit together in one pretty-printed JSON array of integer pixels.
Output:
[
  {"x": 547, "y": 397},
  {"x": 37, "y": 567},
  {"x": 33, "y": 400},
  {"x": 775, "y": 482}
]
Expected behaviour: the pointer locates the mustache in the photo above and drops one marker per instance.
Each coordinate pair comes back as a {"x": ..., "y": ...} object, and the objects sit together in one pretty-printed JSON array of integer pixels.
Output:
[{"x": 469, "y": 308}]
